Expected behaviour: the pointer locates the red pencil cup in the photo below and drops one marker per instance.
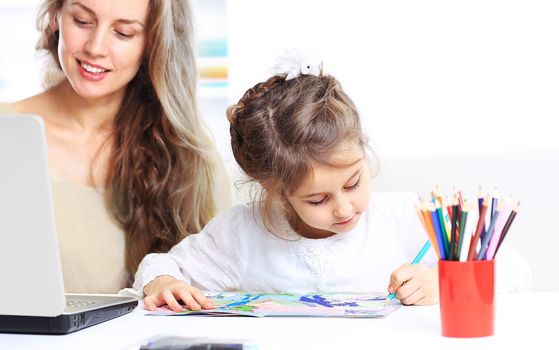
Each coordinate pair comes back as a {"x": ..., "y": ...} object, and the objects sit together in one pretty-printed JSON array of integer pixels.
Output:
[{"x": 467, "y": 298}]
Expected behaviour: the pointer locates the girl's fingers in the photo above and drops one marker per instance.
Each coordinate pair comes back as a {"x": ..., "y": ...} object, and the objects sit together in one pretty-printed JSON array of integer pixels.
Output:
[
  {"x": 413, "y": 298},
  {"x": 149, "y": 304},
  {"x": 401, "y": 276},
  {"x": 409, "y": 288},
  {"x": 201, "y": 299},
  {"x": 171, "y": 301},
  {"x": 191, "y": 297},
  {"x": 188, "y": 300}
]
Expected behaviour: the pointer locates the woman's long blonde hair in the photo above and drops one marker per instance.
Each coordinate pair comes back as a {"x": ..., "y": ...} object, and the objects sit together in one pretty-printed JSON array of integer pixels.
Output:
[{"x": 160, "y": 181}]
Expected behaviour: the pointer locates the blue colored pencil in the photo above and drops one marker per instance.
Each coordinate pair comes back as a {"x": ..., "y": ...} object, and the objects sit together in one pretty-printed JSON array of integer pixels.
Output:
[
  {"x": 442, "y": 227},
  {"x": 438, "y": 233},
  {"x": 494, "y": 202},
  {"x": 417, "y": 259}
]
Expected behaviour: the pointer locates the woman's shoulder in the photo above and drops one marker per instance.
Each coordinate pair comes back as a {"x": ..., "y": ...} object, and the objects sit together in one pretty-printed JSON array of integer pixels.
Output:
[
  {"x": 6, "y": 108},
  {"x": 43, "y": 103},
  {"x": 36, "y": 104},
  {"x": 23, "y": 107}
]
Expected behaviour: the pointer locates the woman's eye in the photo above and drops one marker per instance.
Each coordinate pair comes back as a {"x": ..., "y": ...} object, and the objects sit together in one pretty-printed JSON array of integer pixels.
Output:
[
  {"x": 124, "y": 35},
  {"x": 80, "y": 22}
]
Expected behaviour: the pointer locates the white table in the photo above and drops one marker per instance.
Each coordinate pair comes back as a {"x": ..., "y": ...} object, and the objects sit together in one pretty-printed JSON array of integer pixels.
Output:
[{"x": 521, "y": 319}]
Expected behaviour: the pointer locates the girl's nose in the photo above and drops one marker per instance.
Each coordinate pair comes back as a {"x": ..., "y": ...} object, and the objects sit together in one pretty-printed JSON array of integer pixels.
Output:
[{"x": 343, "y": 208}]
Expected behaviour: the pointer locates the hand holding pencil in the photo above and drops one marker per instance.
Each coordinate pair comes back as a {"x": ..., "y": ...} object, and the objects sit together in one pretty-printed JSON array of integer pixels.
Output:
[{"x": 413, "y": 283}]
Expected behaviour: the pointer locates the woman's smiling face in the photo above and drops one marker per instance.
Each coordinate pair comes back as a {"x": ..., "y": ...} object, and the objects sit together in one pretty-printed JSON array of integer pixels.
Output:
[{"x": 101, "y": 44}]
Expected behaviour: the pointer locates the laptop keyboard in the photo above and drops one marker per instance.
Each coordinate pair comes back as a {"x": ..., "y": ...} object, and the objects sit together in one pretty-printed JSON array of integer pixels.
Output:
[{"x": 74, "y": 304}]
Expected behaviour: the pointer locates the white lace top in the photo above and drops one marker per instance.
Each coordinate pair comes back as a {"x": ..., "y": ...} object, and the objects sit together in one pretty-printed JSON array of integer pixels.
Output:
[{"x": 234, "y": 252}]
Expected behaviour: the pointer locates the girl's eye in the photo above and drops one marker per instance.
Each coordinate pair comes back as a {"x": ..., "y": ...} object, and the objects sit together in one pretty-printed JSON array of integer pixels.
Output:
[
  {"x": 354, "y": 186},
  {"x": 320, "y": 202}
]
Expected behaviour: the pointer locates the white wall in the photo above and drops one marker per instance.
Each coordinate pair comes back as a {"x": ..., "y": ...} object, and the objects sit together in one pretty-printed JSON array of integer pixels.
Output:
[
  {"x": 19, "y": 68},
  {"x": 428, "y": 76}
]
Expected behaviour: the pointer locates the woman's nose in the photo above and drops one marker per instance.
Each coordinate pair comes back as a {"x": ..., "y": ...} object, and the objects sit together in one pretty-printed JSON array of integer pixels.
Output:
[{"x": 98, "y": 43}]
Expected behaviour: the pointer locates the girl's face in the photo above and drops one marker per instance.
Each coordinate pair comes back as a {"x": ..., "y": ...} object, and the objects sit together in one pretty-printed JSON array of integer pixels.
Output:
[
  {"x": 332, "y": 199},
  {"x": 101, "y": 44}
]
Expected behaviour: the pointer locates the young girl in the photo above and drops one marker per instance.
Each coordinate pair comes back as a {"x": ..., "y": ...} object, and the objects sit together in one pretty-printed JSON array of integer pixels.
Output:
[{"x": 316, "y": 225}]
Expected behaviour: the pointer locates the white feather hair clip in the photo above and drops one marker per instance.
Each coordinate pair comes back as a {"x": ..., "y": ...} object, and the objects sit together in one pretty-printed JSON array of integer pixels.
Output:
[{"x": 296, "y": 62}]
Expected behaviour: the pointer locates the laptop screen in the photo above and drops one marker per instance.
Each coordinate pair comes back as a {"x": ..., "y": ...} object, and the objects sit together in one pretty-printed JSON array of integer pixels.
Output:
[{"x": 29, "y": 258}]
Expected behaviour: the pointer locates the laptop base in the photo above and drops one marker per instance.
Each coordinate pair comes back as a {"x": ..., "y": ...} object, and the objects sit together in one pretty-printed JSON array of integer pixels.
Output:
[{"x": 65, "y": 323}]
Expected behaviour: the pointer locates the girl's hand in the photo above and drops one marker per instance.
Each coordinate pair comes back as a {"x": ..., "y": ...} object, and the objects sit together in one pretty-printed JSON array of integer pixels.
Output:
[
  {"x": 415, "y": 284},
  {"x": 168, "y": 290}
]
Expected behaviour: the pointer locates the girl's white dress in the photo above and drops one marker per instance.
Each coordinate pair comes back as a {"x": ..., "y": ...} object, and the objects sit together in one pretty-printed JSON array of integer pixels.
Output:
[{"x": 235, "y": 252}]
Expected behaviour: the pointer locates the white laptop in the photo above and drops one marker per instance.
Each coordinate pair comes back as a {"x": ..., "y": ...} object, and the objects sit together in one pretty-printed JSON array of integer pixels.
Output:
[{"x": 32, "y": 298}]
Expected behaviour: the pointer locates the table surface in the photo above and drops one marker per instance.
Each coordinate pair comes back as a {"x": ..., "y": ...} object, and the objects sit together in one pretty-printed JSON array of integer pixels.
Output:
[{"x": 520, "y": 319}]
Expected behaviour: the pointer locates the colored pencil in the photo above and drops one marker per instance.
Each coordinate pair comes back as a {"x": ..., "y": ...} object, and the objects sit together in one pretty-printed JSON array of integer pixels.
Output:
[
  {"x": 419, "y": 213},
  {"x": 442, "y": 227},
  {"x": 437, "y": 194},
  {"x": 438, "y": 198},
  {"x": 453, "y": 220},
  {"x": 506, "y": 228},
  {"x": 416, "y": 260},
  {"x": 458, "y": 231},
  {"x": 480, "y": 197},
  {"x": 469, "y": 230},
  {"x": 430, "y": 229},
  {"x": 462, "y": 230},
  {"x": 446, "y": 215},
  {"x": 503, "y": 217},
  {"x": 449, "y": 212},
  {"x": 437, "y": 229},
  {"x": 489, "y": 233},
  {"x": 494, "y": 202},
  {"x": 425, "y": 223},
  {"x": 460, "y": 198},
  {"x": 480, "y": 223}
]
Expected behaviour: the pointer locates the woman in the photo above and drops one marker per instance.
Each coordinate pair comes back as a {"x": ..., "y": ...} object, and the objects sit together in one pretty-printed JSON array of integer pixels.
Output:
[{"x": 133, "y": 169}]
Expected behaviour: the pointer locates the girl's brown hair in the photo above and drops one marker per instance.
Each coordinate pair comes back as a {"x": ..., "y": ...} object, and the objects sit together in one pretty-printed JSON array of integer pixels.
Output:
[
  {"x": 160, "y": 181},
  {"x": 279, "y": 128}
]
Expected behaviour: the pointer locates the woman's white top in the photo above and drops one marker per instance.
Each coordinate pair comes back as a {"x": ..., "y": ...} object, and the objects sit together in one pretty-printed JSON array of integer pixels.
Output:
[{"x": 235, "y": 252}]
